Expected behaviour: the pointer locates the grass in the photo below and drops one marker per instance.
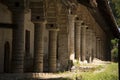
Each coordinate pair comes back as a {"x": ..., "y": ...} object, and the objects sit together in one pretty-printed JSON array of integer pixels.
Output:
[
  {"x": 110, "y": 73},
  {"x": 102, "y": 72}
]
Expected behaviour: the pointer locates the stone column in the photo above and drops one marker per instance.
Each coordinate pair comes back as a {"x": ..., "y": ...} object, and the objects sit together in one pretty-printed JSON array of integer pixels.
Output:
[
  {"x": 97, "y": 47},
  {"x": 84, "y": 27},
  {"x": 100, "y": 49},
  {"x": 103, "y": 49},
  {"x": 71, "y": 26},
  {"x": 39, "y": 20},
  {"x": 78, "y": 39},
  {"x": 52, "y": 48},
  {"x": 91, "y": 46},
  {"x": 18, "y": 48},
  {"x": 88, "y": 51},
  {"x": 94, "y": 46},
  {"x": 39, "y": 46}
]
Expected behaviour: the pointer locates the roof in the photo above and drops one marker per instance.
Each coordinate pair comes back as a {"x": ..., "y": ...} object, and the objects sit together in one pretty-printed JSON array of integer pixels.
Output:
[{"x": 105, "y": 10}]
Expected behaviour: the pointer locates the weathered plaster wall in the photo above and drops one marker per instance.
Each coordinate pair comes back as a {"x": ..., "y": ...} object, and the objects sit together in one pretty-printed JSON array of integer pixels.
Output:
[
  {"x": 5, "y": 36},
  {"x": 5, "y": 14}
]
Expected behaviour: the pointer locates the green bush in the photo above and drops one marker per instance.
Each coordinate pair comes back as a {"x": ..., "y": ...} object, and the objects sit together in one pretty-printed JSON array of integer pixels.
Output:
[
  {"x": 114, "y": 51},
  {"x": 114, "y": 54}
]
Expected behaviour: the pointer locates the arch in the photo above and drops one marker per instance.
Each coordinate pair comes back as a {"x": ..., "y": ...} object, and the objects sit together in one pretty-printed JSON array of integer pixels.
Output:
[{"x": 6, "y": 57}]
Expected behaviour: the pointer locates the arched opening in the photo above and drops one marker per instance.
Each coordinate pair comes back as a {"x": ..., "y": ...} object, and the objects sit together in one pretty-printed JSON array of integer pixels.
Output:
[{"x": 6, "y": 57}]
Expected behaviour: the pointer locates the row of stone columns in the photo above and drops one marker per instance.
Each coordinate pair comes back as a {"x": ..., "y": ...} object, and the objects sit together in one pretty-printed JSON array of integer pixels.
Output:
[
  {"x": 19, "y": 48},
  {"x": 84, "y": 42},
  {"x": 39, "y": 19},
  {"x": 78, "y": 42},
  {"x": 39, "y": 47},
  {"x": 19, "y": 44},
  {"x": 77, "y": 38}
]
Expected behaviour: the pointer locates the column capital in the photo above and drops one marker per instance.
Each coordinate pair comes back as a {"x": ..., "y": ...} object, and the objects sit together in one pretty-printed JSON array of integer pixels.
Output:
[
  {"x": 72, "y": 17},
  {"x": 52, "y": 27},
  {"x": 78, "y": 22},
  {"x": 98, "y": 38},
  {"x": 85, "y": 26},
  {"x": 41, "y": 22},
  {"x": 18, "y": 5},
  {"x": 37, "y": 11}
]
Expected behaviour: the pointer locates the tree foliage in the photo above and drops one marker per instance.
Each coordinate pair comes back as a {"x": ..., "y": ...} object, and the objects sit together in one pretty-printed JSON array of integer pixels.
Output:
[
  {"x": 114, "y": 51},
  {"x": 115, "y": 5}
]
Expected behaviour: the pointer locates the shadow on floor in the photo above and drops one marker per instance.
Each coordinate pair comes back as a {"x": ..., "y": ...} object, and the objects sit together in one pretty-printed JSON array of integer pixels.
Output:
[{"x": 51, "y": 79}]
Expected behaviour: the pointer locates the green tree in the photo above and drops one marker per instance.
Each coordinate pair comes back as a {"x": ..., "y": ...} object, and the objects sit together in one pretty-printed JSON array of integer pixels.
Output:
[
  {"x": 114, "y": 51},
  {"x": 115, "y": 5}
]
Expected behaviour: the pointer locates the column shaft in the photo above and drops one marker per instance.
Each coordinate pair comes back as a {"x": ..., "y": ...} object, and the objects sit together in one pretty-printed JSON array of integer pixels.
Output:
[
  {"x": 39, "y": 46},
  {"x": 18, "y": 48},
  {"x": 95, "y": 55},
  {"x": 83, "y": 43},
  {"x": 71, "y": 25},
  {"x": 97, "y": 45},
  {"x": 88, "y": 44},
  {"x": 77, "y": 39},
  {"x": 104, "y": 50},
  {"x": 91, "y": 46},
  {"x": 52, "y": 50},
  {"x": 100, "y": 49},
  {"x": 94, "y": 46}
]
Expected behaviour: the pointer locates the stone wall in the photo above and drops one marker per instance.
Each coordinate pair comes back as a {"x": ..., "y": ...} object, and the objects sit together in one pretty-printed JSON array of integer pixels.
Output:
[
  {"x": 5, "y": 36},
  {"x": 5, "y": 33},
  {"x": 5, "y": 14}
]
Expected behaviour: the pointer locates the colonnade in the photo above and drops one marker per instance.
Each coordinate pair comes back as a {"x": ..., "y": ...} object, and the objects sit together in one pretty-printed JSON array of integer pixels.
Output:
[{"x": 84, "y": 42}]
